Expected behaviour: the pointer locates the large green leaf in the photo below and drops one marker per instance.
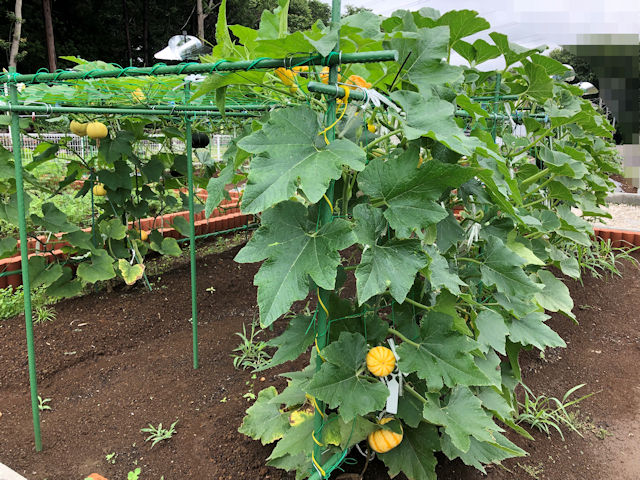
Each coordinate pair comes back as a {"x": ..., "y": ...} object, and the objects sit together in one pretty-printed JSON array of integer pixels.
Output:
[
  {"x": 291, "y": 155},
  {"x": 216, "y": 189},
  {"x": 7, "y": 246},
  {"x": 443, "y": 356},
  {"x": 540, "y": 85},
  {"x": 492, "y": 331},
  {"x": 483, "y": 453},
  {"x": 292, "y": 343},
  {"x": 531, "y": 330},
  {"x": 391, "y": 265},
  {"x": 113, "y": 228},
  {"x": 555, "y": 297},
  {"x": 99, "y": 268},
  {"x": 433, "y": 117},
  {"x": 462, "y": 23},
  {"x": 42, "y": 274},
  {"x": 409, "y": 192},
  {"x": 439, "y": 273},
  {"x": 462, "y": 417},
  {"x": 66, "y": 286},
  {"x": 264, "y": 420},
  {"x": 425, "y": 66},
  {"x": 294, "y": 251},
  {"x": 414, "y": 456},
  {"x": 353, "y": 395},
  {"x": 53, "y": 219},
  {"x": 338, "y": 382},
  {"x": 503, "y": 268}
]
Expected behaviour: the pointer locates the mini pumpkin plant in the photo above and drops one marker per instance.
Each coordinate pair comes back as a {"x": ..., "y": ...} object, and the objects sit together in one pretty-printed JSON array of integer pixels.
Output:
[
  {"x": 381, "y": 362},
  {"x": 99, "y": 190},
  {"x": 383, "y": 440}
]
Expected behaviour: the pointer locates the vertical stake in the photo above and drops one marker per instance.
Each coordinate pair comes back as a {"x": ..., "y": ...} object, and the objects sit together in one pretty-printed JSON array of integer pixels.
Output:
[
  {"x": 24, "y": 255},
  {"x": 325, "y": 216},
  {"x": 496, "y": 99},
  {"x": 192, "y": 229}
]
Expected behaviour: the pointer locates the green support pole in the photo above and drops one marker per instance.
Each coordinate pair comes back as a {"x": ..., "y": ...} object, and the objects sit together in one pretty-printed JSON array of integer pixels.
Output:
[
  {"x": 194, "y": 67},
  {"x": 192, "y": 232},
  {"x": 325, "y": 216},
  {"x": 496, "y": 99},
  {"x": 24, "y": 254},
  {"x": 155, "y": 110}
]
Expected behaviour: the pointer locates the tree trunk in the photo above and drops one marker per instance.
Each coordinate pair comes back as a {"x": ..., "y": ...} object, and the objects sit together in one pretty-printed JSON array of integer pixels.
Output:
[
  {"x": 201, "y": 17},
  {"x": 15, "y": 40},
  {"x": 48, "y": 31},
  {"x": 125, "y": 17},
  {"x": 145, "y": 31}
]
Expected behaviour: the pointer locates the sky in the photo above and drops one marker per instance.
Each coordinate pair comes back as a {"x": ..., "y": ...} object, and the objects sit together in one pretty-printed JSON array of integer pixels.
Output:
[{"x": 531, "y": 23}]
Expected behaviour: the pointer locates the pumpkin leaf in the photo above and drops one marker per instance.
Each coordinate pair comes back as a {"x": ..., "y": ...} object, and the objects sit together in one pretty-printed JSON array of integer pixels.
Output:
[
  {"x": 130, "y": 273},
  {"x": 295, "y": 252},
  {"x": 100, "y": 267},
  {"x": 264, "y": 420},
  {"x": 415, "y": 455}
]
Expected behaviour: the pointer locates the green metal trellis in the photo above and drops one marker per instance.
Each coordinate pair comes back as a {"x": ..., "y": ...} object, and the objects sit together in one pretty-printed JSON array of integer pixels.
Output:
[{"x": 188, "y": 111}]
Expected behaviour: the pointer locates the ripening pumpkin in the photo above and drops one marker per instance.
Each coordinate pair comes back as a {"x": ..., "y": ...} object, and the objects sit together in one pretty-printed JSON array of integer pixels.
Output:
[
  {"x": 99, "y": 190},
  {"x": 141, "y": 234},
  {"x": 359, "y": 81},
  {"x": 381, "y": 441},
  {"x": 286, "y": 76},
  {"x": 381, "y": 361},
  {"x": 78, "y": 128},
  {"x": 97, "y": 130}
]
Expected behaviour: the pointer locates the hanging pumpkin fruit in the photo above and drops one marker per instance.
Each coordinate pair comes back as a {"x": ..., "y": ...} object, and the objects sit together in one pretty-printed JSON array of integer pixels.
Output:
[
  {"x": 381, "y": 441},
  {"x": 78, "y": 128},
  {"x": 199, "y": 140},
  {"x": 99, "y": 190},
  {"x": 381, "y": 361},
  {"x": 97, "y": 130}
]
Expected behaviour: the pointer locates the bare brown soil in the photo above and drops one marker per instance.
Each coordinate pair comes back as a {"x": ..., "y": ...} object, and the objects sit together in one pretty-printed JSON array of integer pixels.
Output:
[{"x": 114, "y": 362}]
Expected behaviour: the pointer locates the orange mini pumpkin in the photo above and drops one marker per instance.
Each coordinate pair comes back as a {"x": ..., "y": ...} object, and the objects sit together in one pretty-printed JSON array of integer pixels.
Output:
[
  {"x": 381, "y": 361},
  {"x": 381, "y": 441}
]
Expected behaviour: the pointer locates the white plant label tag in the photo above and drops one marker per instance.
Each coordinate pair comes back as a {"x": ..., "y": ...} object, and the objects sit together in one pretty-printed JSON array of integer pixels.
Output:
[{"x": 392, "y": 399}]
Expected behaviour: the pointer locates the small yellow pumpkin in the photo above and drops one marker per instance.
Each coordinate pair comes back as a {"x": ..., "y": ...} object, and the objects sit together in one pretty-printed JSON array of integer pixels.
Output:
[
  {"x": 99, "y": 190},
  {"x": 78, "y": 128},
  {"x": 381, "y": 361},
  {"x": 359, "y": 81},
  {"x": 381, "y": 441},
  {"x": 97, "y": 130},
  {"x": 141, "y": 234},
  {"x": 371, "y": 127}
]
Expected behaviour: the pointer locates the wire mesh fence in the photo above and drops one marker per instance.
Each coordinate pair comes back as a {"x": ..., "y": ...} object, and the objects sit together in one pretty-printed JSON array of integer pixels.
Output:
[{"x": 217, "y": 144}]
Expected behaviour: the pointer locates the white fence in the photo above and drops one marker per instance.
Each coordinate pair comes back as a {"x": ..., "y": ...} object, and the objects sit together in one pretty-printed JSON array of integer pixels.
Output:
[{"x": 217, "y": 144}]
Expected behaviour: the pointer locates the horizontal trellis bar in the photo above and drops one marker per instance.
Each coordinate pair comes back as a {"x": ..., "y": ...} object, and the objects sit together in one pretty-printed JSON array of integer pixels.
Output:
[
  {"x": 192, "y": 68},
  {"x": 161, "y": 110},
  {"x": 360, "y": 95}
]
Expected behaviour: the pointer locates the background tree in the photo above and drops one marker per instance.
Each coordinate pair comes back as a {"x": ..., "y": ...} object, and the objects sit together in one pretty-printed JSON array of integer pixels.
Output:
[
  {"x": 80, "y": 26},
  {"x": 583, "y": 69},
  {"x": 48, "y": 32}
]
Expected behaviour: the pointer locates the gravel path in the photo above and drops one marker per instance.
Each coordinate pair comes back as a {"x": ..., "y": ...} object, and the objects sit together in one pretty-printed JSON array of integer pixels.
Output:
[{"x": 624, "y": 216}]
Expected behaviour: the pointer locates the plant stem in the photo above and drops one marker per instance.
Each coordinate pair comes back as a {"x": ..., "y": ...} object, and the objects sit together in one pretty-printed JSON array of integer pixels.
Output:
[
  {"x": 472, "y": 260},
  {"x": 402, "y": 337},
  {"x": 406, "y": 387},
  {"x": 528, "y": 181},
  {"x": 384, "y": 137},
  {"x": 417, "y": 304},
  {"x": 540, "y": 187}
]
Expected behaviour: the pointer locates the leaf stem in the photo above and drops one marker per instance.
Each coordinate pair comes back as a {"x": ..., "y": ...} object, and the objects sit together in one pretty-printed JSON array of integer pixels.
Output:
[
  {"x": 528, "y": 181},
  {"x": 384, "y": 137},
  {"x": 402, "y": 337},
  {"x": 408, "y": 388},
  {"x": 467, "y": 259},
  {"x": 417, "y": 304}
]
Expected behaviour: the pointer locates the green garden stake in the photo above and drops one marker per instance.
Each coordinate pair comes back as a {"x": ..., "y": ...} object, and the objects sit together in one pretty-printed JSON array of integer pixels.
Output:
[
  {"x": 192, "y": 230},
  {"x": 24, "y": 254},
  {"x": 325, "y": 216}
]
